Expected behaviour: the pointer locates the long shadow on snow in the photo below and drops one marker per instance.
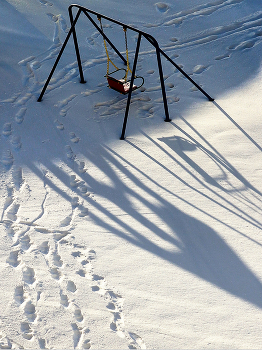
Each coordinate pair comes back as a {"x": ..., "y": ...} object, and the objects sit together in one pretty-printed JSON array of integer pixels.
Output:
[
  {"x": 231, "y": 207},
  {"x": 202, "y": 251}
]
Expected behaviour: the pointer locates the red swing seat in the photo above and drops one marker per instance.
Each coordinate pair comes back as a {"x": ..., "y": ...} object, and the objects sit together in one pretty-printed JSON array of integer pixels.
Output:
[{"x": 120, "y": 85}]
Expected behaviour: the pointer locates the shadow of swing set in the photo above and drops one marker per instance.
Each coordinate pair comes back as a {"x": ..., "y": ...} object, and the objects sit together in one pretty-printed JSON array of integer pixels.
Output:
[{"x": 122, "y": 85}]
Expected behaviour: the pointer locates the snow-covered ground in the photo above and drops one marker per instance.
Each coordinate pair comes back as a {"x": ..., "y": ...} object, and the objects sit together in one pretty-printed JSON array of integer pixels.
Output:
[{"x": 153, "y": 242}]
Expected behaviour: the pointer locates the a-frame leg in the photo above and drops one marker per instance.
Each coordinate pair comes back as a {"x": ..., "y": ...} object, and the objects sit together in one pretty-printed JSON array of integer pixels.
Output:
[{"x": 131, "y": 87}]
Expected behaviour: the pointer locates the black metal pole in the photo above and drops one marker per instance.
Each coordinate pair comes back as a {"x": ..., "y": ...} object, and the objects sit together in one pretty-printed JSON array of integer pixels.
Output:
[
  {"x": 105, "y": 37},
  {"x": 131, "y": 87},
  {"x": 82, "y": 79},
  {"x": 162, "y": 84},
  {"x": 59, "y": 56},
  {"x": 186, "y": 75}
]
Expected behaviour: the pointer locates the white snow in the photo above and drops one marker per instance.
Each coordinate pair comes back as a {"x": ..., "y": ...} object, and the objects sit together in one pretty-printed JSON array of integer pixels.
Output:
[{"x": 152, "y": 242}]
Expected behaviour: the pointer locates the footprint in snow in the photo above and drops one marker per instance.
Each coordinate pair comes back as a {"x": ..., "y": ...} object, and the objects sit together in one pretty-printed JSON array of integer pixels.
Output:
[
  {"x": 17, "y": 176},
  {"x": 58, "y": 125},
  {"x": 71, "y": 287},
  {"x": 55, "y": 273},
  {"x": 7, "y": 129},
  {"x": 86, "y": 344},
  {"x": 75, "y": 202},
  {"x": 64, "y": 299},
  {"x": 66, "y": 221},
  {"x": 16, "y": 142},
  {"x": 76, "y": 254},
  {"x": 30, "y": 311},
  {"x": 42, "y": 343},
  {"x": 78, "y": 315},
  {"x": 81, "y": 273},
  {"x": 77, "y": 332},
  {"x": 46, "y": 3},
  {"x": 44, "y": 247},
  {"x": 27, "y": 332},
  {"x": 162, "y": 7},
  {"x": 73, "y": 137},
  {"x": 57, "y": 260},
  {"x": 73, "y": 181},
  {"x": 29, "y": 275},
  {"x": 13, "y": 259},
  {"x": 69, "y": 153},
  {"x": 222, "y": 57},
  {"x": 7, "y": 158},
  {"x": 19, "y": 117},
  {"x": 81, "y": 167},
  {"x": 12, "y": 213},
  {"x": 19, "y": 295},
  {"x": 25, "y": 242},
  {"x": 199, "y": 69},
  {"x": 136, "y": 340}
]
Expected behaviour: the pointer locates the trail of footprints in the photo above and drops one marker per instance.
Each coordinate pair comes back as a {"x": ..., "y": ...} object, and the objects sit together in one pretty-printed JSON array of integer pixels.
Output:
[{"x": 25, "y": 294}]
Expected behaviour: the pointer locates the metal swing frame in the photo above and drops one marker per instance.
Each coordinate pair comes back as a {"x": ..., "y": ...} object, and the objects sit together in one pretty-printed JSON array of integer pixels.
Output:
[{"x": 148, "y": 37}]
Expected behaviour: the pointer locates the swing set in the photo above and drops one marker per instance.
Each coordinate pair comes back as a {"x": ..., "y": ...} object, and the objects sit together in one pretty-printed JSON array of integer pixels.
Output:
[{"x": 124, "y": 85}]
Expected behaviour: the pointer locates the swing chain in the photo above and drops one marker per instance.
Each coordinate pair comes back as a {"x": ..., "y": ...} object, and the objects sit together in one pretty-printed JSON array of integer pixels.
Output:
[
  {"x": 107, "y": 54},
  {"x": 127, "y": 59},
  {"x": 127, "y": 70}
]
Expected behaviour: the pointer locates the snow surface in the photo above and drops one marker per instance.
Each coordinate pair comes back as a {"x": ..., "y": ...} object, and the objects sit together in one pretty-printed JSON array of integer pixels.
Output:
[{"x": 152, "y": 242}]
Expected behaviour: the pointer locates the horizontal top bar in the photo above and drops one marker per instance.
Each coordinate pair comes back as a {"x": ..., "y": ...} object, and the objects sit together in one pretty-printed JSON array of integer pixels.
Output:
[{"x": 149, "y": 37}]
